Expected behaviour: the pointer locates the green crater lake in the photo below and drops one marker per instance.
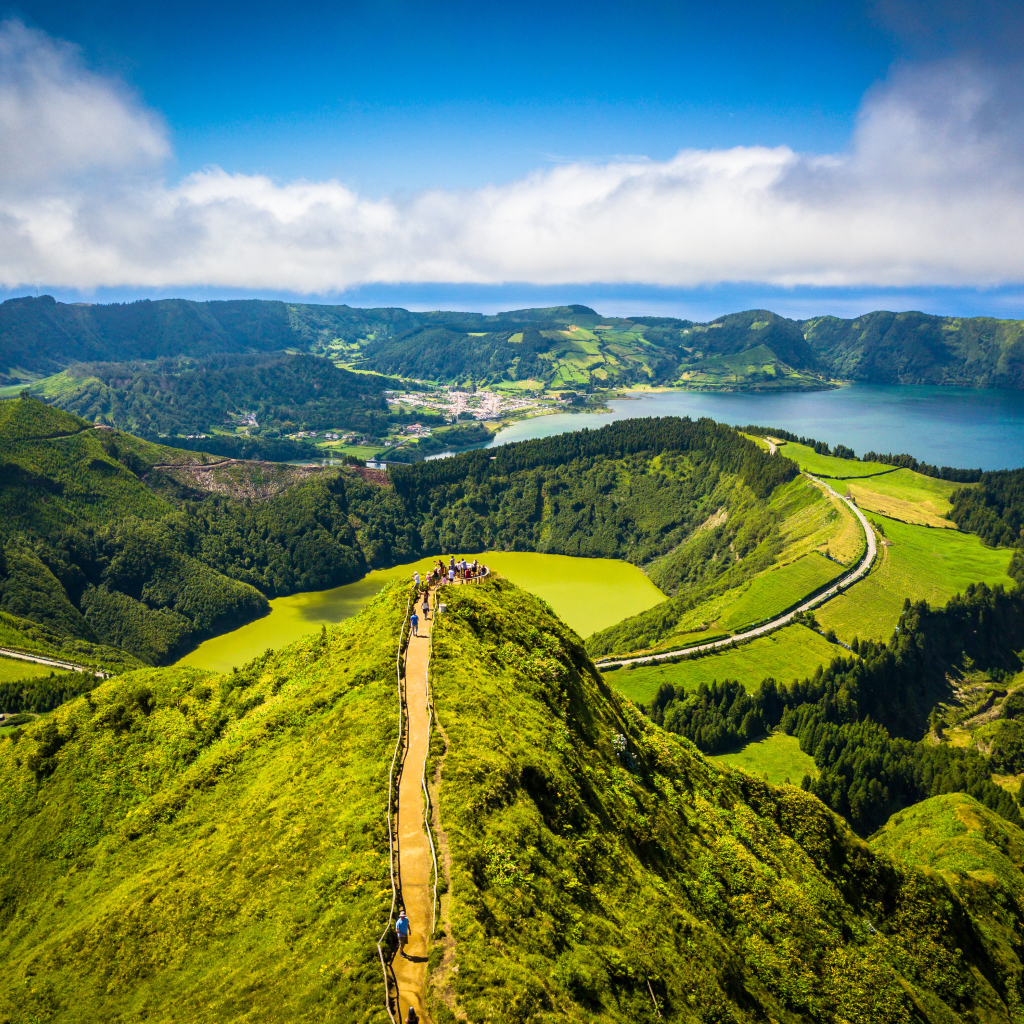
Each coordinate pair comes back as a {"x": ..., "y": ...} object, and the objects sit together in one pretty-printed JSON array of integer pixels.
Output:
[{"x": 587, "y": 593}]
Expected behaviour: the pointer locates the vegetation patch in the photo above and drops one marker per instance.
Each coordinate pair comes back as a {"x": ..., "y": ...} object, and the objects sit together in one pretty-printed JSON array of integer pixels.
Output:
[
  {"x": 790, "y": 653},
  {"x": 600, "y": 865},
  {"x": 913, "y": 562},
  {"x": 777, "y": 759},
  {"x": 187, "y": 847},
  {"x": 904, "y": 495}
]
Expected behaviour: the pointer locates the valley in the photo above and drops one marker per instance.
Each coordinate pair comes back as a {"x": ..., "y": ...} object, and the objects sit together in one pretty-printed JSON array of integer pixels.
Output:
[{"x": 736, "y": 679}]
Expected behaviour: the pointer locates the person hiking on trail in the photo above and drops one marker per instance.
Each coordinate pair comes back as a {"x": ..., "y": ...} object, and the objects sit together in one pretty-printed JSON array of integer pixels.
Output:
[
  {"x": 414, "y": 621},
  {"x": 402, "y": 930},
  {"x": 416, "y": 577},
  {"x": 426, "y": 606},
  {"x": 451, "y": 561},
  {"x": 451, "y": 575},
  {"x": 412, "y": 1017},
  {"x": 475, "y": 564}
]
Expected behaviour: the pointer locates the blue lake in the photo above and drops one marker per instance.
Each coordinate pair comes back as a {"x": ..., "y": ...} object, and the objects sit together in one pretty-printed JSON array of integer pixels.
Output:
[{"x": 966, "y": 427}]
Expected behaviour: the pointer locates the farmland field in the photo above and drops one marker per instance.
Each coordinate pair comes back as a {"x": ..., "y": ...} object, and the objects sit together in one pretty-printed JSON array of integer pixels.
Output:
[
  {"x": 919, "y": 563},
  {"x": 904, "y": 495},
  {"x": 776, "y": 759},
  {"x": 775, "y": 591},
  {"x": 827, "y": 465},
  {"x": 12, "y": 669},
  {"x": 787, "y": 654}
]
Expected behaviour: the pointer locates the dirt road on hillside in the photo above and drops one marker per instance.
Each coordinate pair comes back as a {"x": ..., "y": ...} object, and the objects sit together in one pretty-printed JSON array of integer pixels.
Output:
[{"x": 845, "y": 581}]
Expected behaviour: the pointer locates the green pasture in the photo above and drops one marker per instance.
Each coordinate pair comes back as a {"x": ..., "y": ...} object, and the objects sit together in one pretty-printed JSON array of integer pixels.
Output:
[
  {"x": 904, "y": 495},
  {"x": 763, "y": 597},
  {"x": 358, "y": 450},
  {"x": 13, "y": 669},
  {"x": 777, "y": 759},
  {"x": 827, "y": 465},
  {"x": 787, "y": 654},
  {"x": 919, "y": 563},
  {"x": 775, "y": 591}
]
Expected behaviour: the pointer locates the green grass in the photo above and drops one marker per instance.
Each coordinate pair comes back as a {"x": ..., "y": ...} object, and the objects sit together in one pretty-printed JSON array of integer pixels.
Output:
[
  {"x": 184, "y": 847},
  {"x": 776, "y": 759},
  {"x": 787, "y": 654},
  {"x": 579, "y": 874},
  {"x": 827, "y": 465},
  {"x": 775, "y": 591},
  {"x": 919, "y": 563},
  {"x": 957, "y": 836},
  {"x": 11, "y": 670},
  {"x": 905, "y": 495}
]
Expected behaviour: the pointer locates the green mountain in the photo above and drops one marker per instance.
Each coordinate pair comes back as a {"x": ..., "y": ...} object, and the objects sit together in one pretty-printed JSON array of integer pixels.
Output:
[
  {"x": 187, "y": 847},
  {"x": 270, "y": 393},
  {"x": 110, "y": 540},
  {"x": 116, "y": 541},
  {"x": 562, "y": 346}
]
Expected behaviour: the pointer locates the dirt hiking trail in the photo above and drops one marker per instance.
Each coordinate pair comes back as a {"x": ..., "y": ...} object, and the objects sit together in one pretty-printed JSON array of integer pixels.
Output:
[{"x": 414, "y": 859}]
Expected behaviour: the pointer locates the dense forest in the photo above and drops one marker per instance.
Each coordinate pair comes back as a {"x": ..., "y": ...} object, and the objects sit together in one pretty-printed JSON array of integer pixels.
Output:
[
  {"x": 104, "y": 539},
  {"x": 863, "y": 719},
  {"x": 102, "y": 544},
  {"x": 282, "y": 393},
  {"x": 41, "y": 335}
]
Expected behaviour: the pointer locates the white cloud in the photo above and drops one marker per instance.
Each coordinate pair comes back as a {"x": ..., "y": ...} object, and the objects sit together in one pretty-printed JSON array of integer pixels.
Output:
[{"x": 931, "y": 192}]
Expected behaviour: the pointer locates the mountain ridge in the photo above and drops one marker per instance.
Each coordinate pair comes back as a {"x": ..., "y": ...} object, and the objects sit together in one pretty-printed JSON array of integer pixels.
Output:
[
  {"x": 41, "y": 335},
  {"x": 200, "y": 847}
]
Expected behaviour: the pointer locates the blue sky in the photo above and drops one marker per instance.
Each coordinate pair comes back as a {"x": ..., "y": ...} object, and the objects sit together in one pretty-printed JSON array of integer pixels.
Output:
[
  {"x": 388, "y": 95},
  {"x": 496, "y": 155}
]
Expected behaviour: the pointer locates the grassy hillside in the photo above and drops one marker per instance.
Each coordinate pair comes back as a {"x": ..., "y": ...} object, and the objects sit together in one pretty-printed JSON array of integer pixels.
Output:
[
  {"x": 596, "y": 861},
  {"x": 562, "y": 346},
  {"x": 787, "y": 654},
  {"x": 914, "y": 562},
  {"x": 185, "y": 847},
  {"x": 977, "y": 852},
  {"x": 751, "y": 560},
  {"x": 281, "y": 392},
  {"x": 188, "y": 847}
]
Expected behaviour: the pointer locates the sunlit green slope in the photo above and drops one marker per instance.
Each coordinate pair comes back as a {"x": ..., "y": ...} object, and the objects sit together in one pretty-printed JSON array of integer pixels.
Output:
[
  {"x": 179, "y": 846},
  {"x": 600, "y": 865},
  {"x": 185, "y": 847}
]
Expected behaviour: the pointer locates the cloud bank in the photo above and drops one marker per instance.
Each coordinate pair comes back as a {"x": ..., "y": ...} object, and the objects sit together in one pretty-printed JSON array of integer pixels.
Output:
[{"x": 930, "y": 192}]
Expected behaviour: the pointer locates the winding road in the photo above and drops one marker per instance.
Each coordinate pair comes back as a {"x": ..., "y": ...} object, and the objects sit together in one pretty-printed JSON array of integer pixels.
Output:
[
  {"x": 844, "y": 581},
  {"x": 39, "y": 659}
]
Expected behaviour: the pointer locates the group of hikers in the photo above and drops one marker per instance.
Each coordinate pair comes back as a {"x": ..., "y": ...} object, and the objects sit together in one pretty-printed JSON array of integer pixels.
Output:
[{"x": 461, "y": 570}]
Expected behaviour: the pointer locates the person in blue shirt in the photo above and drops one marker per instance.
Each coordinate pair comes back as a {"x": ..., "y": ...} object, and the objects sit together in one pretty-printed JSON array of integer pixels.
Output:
[
  {"x": 414, "y": 619},
  {"x": 402, "y": 929}
]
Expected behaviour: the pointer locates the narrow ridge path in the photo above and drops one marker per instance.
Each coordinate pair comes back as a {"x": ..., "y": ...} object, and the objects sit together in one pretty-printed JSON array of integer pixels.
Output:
[{"x": 414, "y": 858}]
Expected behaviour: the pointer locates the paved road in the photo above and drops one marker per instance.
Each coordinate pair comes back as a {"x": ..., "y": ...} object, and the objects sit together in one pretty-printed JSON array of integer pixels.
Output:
[
  {"x": 865, "y": 564},
  {"x": 39, "y": 659}
]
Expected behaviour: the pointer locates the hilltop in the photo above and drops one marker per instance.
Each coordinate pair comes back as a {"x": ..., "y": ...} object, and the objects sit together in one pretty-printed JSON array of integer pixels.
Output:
[
  {"x": 558, "y": 347},
  {"x": 204, "y": 848},
  {"x": 119, "y": 541}
]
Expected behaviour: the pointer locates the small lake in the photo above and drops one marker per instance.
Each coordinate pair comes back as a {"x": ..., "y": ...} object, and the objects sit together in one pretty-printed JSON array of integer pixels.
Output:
[
  {"x": 967, "y": 427},
  {"x": 586, "y": 593}
]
